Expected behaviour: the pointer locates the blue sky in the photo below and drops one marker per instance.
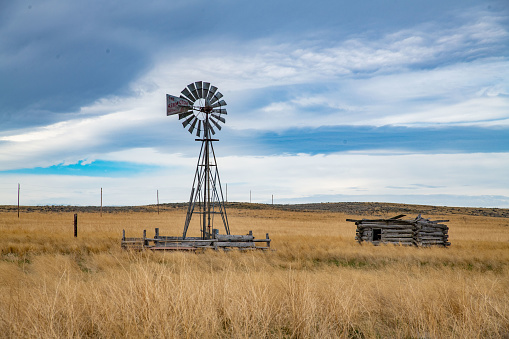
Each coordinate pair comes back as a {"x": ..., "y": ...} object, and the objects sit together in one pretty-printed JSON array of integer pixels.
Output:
[{"x": 397, "y": 101}]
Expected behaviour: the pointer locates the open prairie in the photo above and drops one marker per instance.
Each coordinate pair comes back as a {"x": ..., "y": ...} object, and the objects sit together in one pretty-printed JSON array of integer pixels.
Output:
[{"x": 317, "y": 282}]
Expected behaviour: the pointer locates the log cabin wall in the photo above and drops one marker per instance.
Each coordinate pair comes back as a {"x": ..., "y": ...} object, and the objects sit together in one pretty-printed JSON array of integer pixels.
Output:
[{"x": 415, "y": 232}]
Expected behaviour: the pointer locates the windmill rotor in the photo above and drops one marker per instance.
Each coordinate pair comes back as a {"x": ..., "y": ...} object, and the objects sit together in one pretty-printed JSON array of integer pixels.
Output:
[{"x": 200, "y": 108}]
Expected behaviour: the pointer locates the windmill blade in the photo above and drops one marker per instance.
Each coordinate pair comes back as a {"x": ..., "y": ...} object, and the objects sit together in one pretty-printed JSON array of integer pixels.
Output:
[
  {"x": 192, "y": 89},
  {"x": 199, "y": 87},
  {"x": 215, "y": 123},
  {"x": 188, "y": 120},
  {"x": 206, "y": 86},
  {"x": 199, "y": 128},
  {"x": 219, "y": 104},
  {"x": 218, "y": 117},
  {"x": 183, "y": 115},
  {"x": 191, "y": 129},
  {"x": 216, "y": 97},
  {"x": 188, "y": 95},
  {"x": 189, "y": 102},
  {"x": 212, "y": 90},
  {"x": 219, "y": 110}
]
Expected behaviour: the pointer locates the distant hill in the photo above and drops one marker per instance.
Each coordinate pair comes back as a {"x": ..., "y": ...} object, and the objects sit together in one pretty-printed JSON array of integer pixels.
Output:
[{"x": 354, "y": 208}]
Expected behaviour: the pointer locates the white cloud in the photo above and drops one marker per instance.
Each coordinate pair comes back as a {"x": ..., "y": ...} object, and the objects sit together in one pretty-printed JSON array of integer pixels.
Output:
[{"x": 285, "y": 177}]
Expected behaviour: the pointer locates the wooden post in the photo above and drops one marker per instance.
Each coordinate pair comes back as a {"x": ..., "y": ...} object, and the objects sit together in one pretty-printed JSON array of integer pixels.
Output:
[
  {"x": 145, "y": 242},
  {"x": 75, "y": 225},
  {"x": 267, "y": 237},
  {"x": 18, "y": 200},
  {"x": 101, "y": 201},
  {"x": 123, "y": 235},
  {"x": 157, "y": 201}
]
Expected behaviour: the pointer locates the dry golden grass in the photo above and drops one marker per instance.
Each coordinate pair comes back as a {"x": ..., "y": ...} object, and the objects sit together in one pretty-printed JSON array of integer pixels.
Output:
[{"x": 318, "y": 283}]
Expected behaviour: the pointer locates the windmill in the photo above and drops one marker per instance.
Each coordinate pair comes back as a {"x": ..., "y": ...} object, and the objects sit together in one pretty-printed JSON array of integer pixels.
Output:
[{"x": 201, "y": 110}]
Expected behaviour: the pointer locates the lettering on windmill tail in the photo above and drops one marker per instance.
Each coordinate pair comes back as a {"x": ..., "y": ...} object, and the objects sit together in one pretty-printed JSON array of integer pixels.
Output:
[{"x": 173, "y": 104}]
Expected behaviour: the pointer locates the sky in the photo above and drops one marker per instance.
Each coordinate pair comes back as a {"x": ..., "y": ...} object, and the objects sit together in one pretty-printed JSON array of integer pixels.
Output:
[{"x": 328, "y": 101}]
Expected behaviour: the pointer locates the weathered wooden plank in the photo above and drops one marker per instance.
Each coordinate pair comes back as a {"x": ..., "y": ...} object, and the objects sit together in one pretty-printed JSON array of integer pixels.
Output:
[{"x": 231, "y": 237}]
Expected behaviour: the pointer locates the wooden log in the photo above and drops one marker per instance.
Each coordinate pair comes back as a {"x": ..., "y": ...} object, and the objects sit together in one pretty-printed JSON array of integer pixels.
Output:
[
  {"x": 399, "y": 240},
  {"x": 431, "y": 238},
  {"x": 398, "y": 231},
  {"x": 230, "y": 237},
  {"x": 392, "y": 223},
  {"x": 234, "y": 244},
  {"x": 430, "y": 229},
  {"x": 430, "y": 234},
  {"x": 424, "y": 243},
  {"x": 441, "y": 226},
  {"x": 391, "y": 234},
  {"x": 385, "y": 225},
  {"x": 397, "y": 236}
]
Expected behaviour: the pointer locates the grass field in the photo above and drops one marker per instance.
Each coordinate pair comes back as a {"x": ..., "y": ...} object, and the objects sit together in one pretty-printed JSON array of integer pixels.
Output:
[{"x": 318, "y": 282}]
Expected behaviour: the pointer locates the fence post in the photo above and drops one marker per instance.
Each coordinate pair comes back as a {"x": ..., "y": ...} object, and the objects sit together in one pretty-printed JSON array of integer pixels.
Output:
[
  {"x": 18, "y": 201},
  {"x": 75, "y": 225}
]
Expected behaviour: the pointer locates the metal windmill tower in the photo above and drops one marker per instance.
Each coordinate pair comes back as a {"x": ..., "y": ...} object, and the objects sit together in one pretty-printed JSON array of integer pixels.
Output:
[{"x": 201, "y": 108}]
